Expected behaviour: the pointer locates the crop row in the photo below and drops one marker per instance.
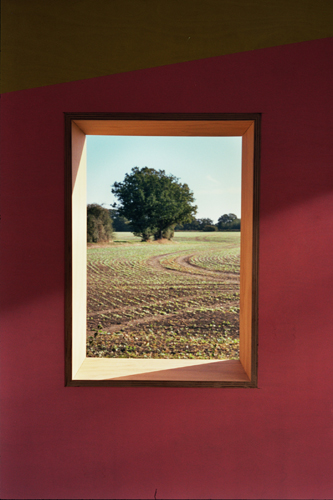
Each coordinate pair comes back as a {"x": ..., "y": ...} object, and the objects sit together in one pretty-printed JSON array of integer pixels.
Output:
[{"x": 150, "y": 300}]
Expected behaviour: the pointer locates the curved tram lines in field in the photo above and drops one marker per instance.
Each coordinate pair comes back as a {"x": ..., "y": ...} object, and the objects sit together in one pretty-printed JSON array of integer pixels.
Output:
[{"x": 144, "y": 301}]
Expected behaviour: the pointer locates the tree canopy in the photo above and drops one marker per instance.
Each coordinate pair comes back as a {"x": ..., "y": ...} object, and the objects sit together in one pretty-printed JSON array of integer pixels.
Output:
[
  {"x": 228, "y": 221},
  {"x": 99, "y": 224},
  {"x": 153, "y": 202},
  {"x": 209, "y": 228}
]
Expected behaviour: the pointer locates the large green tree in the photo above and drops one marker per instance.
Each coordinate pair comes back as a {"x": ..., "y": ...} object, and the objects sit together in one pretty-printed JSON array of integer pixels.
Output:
[
  {"x": 153, "y": 202},
  {"x": 99, "y": 224}
]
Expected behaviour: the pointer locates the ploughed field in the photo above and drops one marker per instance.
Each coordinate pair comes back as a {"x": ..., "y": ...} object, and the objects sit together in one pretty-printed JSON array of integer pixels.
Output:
[{"x": 174, "y": 300}]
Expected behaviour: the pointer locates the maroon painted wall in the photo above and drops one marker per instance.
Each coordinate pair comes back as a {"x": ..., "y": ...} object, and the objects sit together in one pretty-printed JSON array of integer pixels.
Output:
[{"x": 271, "y": 442}]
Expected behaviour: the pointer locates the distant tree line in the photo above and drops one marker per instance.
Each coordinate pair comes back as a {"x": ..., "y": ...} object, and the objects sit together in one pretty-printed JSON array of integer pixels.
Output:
[
  {"x": 227, "y": 222},
  {"x": 102, "y": 222}
]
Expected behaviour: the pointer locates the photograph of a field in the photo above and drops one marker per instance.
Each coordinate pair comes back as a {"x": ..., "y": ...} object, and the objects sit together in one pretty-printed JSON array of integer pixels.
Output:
[
  {"x": 163, "y": 246},
  {"x": 174, "y": 298}
]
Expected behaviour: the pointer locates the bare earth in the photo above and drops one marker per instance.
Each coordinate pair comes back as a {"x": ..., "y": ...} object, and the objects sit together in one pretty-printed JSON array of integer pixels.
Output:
[{"x": 145, "y": 302}]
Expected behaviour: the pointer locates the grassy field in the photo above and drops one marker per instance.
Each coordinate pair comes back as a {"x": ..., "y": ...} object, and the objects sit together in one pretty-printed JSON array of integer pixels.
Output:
[{"x": 176, "y": 299}]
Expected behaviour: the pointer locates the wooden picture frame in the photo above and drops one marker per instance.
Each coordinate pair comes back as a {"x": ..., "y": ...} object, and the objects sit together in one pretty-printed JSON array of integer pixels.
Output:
[{"x": 83, "y": 371}]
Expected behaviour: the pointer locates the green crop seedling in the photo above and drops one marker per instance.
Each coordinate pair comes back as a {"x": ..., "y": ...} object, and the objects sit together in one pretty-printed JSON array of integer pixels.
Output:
[{"x": 143, "y": 298}]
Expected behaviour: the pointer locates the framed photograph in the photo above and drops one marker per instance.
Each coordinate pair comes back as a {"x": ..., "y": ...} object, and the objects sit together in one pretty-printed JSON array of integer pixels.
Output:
[{"x": 161, "y": 249}]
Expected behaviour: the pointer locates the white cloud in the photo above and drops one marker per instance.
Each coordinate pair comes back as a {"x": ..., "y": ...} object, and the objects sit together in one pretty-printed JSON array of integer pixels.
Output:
[{"x": 210, "y": 178}]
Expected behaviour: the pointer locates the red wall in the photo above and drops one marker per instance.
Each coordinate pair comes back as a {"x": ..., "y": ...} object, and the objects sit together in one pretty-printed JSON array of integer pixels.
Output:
[{"x": 271, "y": 442}]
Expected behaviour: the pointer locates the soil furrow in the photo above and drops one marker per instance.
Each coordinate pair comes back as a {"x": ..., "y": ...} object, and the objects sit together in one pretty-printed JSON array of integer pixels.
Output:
[
  {"x": 129, "y": 309},
  {"x": 156, "y": 317}
]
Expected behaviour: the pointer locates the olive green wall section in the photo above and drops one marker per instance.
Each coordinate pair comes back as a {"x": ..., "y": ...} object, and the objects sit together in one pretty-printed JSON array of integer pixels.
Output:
[{"x": 56, "y": 41}]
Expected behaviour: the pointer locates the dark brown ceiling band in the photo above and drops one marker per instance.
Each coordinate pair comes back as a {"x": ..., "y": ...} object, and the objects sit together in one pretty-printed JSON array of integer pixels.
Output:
[{"x": 56, "y": 41}]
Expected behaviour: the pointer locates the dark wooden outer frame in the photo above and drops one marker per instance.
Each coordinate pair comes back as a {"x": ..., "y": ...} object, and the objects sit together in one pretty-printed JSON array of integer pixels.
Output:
[{"x": 83, "y": 119}]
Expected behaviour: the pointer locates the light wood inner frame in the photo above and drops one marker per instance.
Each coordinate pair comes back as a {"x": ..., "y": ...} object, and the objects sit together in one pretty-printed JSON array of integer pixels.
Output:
[{"x": 83, "y": 371}]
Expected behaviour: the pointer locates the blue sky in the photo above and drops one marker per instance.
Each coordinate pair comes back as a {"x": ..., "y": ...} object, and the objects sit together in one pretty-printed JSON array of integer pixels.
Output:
[{"x": 211, "y": 166}]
